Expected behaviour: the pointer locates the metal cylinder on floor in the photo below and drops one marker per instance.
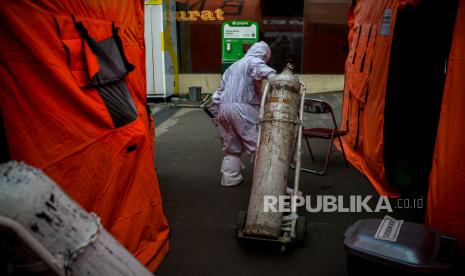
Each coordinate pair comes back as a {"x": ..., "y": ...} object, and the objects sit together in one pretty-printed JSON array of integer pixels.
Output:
[
  {"x": 56, "y": 233},
  {"x": 274, "y": 153}
]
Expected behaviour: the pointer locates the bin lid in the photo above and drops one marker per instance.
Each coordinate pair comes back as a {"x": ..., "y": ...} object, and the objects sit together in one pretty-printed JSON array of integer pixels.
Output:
[{"x": 404, "y": 245}]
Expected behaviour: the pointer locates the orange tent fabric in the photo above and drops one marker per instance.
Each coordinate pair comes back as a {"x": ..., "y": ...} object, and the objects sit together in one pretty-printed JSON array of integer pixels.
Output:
[
  {"x": 55, "y": 123},
  {"x": 445, "y": 210},
  {"x": 366, "y": 69},
  {"x": 367, "y": 73}
]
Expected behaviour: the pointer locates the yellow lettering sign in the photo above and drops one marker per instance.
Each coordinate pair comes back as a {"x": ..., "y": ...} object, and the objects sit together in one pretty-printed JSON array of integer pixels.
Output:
[
  {"x": 204, "y": 15},
  {"x": 207, "y": 15},
  {"x": 181, "y": 16},
  {"x": 219, "y": 14},
  {"x": 193, "y": 15}
]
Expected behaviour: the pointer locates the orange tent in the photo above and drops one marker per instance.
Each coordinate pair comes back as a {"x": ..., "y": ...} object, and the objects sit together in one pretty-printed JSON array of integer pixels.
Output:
[
  {"x": 445, "y": 208},
  {"x": 405, "y": 59},
  {"x": 73, "y": 104},
  {"x": 371, "y": 24}
]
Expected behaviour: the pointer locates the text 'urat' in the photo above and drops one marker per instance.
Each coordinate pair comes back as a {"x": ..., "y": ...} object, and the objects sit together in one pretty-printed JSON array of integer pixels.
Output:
[{"x": 204, "y": 15}]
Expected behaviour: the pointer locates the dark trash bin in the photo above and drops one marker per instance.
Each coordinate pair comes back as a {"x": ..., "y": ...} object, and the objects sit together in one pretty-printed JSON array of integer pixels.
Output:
[
  {"x": 195, "y": 93},
  {"x": 403, "y": 248}
]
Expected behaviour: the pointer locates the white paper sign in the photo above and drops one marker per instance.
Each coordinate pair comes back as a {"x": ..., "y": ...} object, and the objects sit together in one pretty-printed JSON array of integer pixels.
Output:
[
  {"x": 389, "y": 229},
  {"x": 239, "y": 32},
  {"x": 386, "y": 22}
]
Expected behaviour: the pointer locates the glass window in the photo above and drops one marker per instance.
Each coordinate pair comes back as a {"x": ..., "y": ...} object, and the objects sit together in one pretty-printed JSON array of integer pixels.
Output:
[
  {"x": 313, "y": 33},
  {"x": 325, "y": 36},
  {"x": 282, "y": 30},
  {"x": 199, "y": 30}
]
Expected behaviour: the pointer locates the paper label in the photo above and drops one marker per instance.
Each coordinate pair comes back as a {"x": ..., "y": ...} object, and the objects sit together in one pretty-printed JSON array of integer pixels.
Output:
[
  {"x": 389, "y": 229},
  {"x": 240, "y": 32},
  {"x": 386, "y": 22}
]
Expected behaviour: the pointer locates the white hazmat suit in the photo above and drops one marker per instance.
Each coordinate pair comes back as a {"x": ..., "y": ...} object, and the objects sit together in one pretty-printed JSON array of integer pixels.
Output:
[{"x": 236, "y": 106}]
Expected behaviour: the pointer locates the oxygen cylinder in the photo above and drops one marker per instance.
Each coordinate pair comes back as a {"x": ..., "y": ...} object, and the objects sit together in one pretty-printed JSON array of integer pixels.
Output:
[
  {"x": 75, "y": 240},
  {"x": 274, "y": 153}
]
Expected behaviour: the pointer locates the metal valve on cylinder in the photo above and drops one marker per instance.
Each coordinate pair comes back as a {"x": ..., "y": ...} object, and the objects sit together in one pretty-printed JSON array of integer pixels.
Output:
[{"x": 278, "y": 128}]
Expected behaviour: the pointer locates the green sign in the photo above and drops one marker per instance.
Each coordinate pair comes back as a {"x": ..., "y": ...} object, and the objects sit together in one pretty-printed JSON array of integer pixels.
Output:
[{"x": 237, "y": 36}]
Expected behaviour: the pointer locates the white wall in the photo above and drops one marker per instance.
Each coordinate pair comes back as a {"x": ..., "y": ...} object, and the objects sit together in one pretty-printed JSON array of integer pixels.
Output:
[{"x": 210, "y": 82}]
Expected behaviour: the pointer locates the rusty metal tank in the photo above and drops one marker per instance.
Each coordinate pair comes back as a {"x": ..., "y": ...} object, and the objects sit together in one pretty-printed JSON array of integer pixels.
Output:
[
  {"x": 46, "y": 231},
  {"x": 274, "y": 153}
]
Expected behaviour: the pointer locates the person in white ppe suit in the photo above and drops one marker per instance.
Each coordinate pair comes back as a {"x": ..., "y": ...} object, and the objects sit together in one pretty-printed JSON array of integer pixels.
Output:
[{"x": 236, "y": 105}]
